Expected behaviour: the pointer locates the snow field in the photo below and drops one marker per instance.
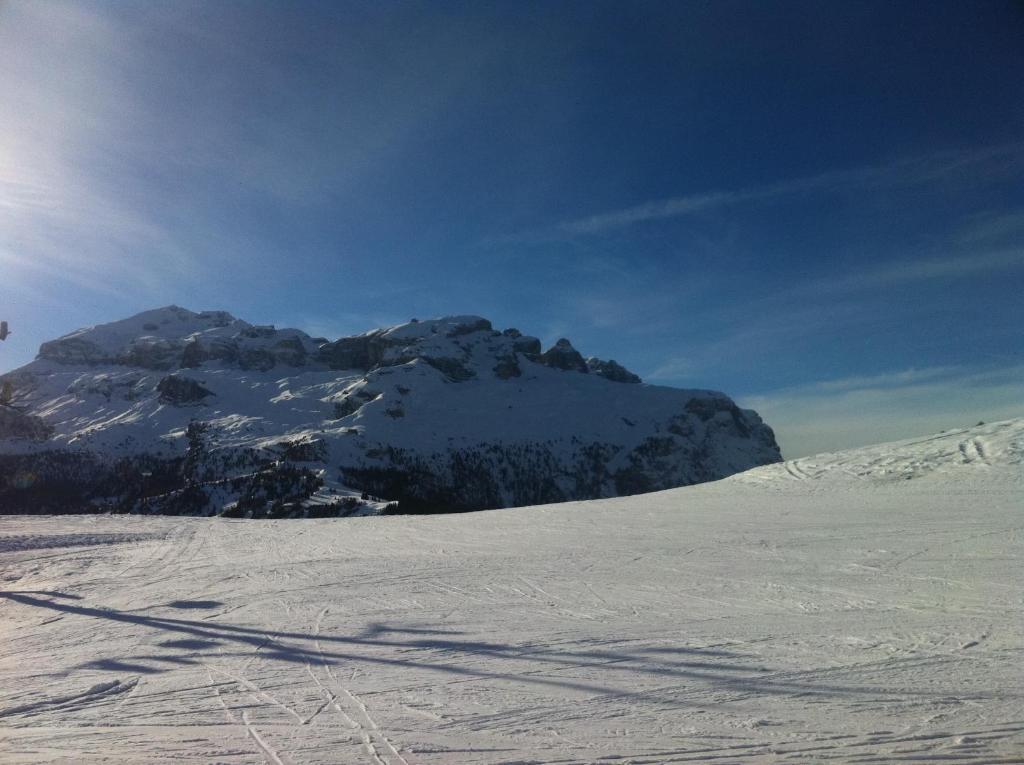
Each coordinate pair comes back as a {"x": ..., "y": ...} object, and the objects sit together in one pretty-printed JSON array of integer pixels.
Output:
[{"x": 829, "y": 609}]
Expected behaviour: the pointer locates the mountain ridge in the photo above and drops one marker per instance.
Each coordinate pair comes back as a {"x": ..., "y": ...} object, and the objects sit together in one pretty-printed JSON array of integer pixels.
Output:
[{"x": 445, "y": 413}]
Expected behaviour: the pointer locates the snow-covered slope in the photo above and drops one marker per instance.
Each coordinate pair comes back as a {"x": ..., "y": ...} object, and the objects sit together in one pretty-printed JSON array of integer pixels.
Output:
[
  {"x": 449, "y": 413},
  {"x": 964, "y": 455},
  {"x": 813, "y": 612}
]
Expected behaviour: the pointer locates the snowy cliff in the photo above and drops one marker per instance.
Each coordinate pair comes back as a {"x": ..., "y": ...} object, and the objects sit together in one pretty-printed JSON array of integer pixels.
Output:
[{"x": 175, "y": 411}]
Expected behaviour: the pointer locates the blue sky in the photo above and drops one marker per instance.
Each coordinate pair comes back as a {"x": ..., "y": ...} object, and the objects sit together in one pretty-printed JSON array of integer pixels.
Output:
[{"x": 817, "y": 207}]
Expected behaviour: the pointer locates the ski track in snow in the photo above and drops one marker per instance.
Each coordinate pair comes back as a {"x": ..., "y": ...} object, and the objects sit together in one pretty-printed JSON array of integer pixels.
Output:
[{"x": 859, "y": 607}]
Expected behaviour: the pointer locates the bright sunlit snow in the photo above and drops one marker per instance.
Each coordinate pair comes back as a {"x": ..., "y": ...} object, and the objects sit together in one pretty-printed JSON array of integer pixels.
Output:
[{"x": 856, "y": 607}]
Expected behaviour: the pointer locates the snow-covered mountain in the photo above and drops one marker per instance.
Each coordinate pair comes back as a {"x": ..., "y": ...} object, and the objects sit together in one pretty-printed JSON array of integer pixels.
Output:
[{"x": 181, "y": 412}]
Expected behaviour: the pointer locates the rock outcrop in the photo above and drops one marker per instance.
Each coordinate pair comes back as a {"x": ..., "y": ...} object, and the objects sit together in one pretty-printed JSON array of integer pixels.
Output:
[
  {"x": 611, "y": 370},
  {"x": 563, "y": 356},
  {"x": 181, "y": 391},
  {"x": 18, "y": 425}
]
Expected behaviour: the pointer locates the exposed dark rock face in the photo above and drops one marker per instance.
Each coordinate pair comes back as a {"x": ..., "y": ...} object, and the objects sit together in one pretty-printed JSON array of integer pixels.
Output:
[
  {"x": 181, "y": 391},
  {"x": 217, "y": 318},
  {"x": 611, "y": 370},
  {"x": 507, "y": 367},
  {"x": 291, "y": 351},
  {"x": 221, "y": 349},
  {"x": 15, "y": 424},
  {"x": 259, "y": 359},
  {"x": 362, "y": 352},
  {"x": 151, "y": 353},
  {"x": 724, "y": 411},
  {"x": 193, "y": 356},
  {"x": 529, "y": 346},
  {"x": 259, "y": 331},
  {"x": 563, "y": 356},
  {"x": 72, "y": 351},
  {"x": 469, "y": 327},
  {"x": 453, "y": 369}
]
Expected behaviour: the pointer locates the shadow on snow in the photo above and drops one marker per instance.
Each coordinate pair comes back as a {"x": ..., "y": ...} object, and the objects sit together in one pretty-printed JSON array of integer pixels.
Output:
[{"x": 439, "y": 651}]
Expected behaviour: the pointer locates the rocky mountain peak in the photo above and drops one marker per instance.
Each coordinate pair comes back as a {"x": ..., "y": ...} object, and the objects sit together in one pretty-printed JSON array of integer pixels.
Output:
[
  {"x": 563, "y": 356},
  {"x": 173, "y": 337},
  {"x": 462, "y": 347}
]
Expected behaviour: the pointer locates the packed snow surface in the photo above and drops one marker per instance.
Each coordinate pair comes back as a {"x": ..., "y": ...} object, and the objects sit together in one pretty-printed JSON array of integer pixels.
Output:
[{"x": 861, "y": 607}]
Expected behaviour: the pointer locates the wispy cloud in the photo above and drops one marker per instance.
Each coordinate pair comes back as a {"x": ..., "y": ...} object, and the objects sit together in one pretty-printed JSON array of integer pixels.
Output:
[
  {"x": 896, "y": 379},
  {"x": 736, "y": 339},
  {"x": 712, "y": 335},
  {"x": 903, "y": 172},
  {"x": 993, "y": 227},
  {"x": 720, "y": 341},
  {"x": 843, "y": 413},
  {"x": 907, "y": 271}
]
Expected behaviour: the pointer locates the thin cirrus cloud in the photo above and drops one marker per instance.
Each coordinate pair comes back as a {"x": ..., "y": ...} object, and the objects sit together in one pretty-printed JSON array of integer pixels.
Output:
[
  {"x": 904, "y": 172},
  {"x": 799, "y": 309},
  {"x": 917, "y": 271},
  {"x": 993, "y": 226},
  {"x": 727, "y": 336}
]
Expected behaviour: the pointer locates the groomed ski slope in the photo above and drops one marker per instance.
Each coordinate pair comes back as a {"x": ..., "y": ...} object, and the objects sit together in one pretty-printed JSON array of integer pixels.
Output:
[{"x": 862, "y": 607}]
